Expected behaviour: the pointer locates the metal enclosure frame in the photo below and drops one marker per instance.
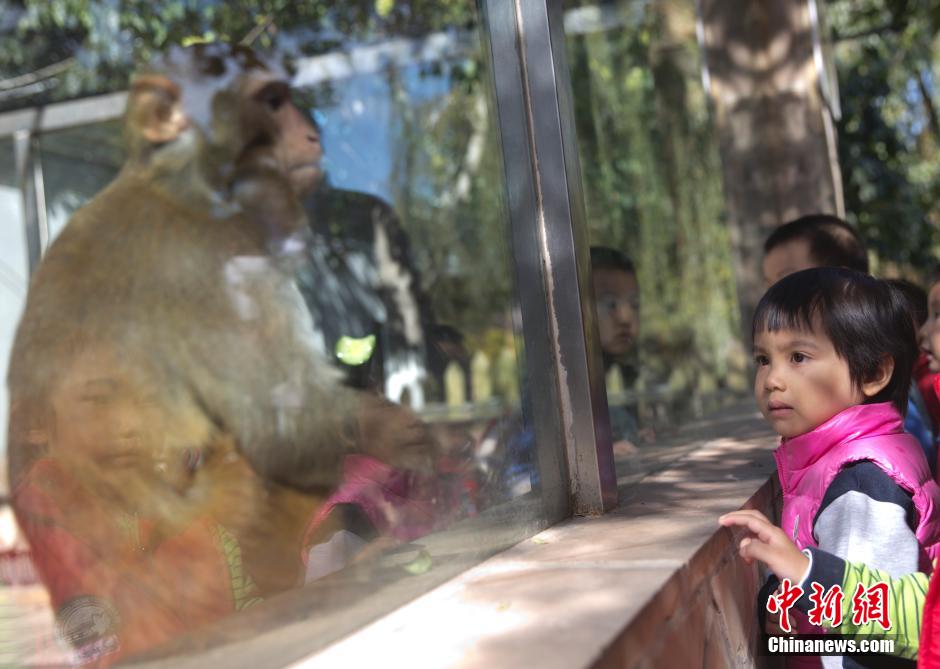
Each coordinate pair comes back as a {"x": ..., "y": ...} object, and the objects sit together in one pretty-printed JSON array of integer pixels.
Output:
[{"x": 550, "y": 246}]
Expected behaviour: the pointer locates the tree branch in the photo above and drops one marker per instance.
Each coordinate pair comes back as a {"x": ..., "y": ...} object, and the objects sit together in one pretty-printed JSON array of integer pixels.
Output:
[
  {"x": 929, "y": 107},
  {"x": 30, "y": 78},
  {"x": 892, "y": 27}
]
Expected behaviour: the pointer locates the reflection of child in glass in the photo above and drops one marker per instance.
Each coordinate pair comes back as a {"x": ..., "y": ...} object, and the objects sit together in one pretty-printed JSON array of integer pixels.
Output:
[
  {"x": 617, "y": 298},
  {"x": 115, "y": 544},
  {"x": 833, "y": 350}
]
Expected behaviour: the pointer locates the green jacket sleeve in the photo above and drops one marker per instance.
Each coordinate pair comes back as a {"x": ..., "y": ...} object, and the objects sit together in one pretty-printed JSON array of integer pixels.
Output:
[{"x": 906, "y": 596}]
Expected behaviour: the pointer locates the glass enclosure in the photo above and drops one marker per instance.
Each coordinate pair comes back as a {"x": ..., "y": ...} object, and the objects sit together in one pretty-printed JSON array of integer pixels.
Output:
[
  {"x": 664, "y": 288},
  {"x": 14, "y": 274},
  {"x": 405, "y": 272},
  {"x": 293, "y": 355}
]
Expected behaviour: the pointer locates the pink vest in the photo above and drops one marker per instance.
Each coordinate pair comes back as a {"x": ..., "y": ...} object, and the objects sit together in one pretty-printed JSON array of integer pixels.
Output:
[
  {"x": 398, "y": 503},
  {"x": 807, "y": 464}
]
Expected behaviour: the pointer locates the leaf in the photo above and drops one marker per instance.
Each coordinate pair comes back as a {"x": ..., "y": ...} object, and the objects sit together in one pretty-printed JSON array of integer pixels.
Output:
[
  {"x": 384, "y": 7},
  {"x": 420, "y": 565},
  {"x": 354, "y": 351}
]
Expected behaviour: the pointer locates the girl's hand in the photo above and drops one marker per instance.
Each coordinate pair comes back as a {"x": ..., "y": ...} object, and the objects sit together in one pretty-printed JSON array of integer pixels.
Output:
[{"x": 768, "y": 544}]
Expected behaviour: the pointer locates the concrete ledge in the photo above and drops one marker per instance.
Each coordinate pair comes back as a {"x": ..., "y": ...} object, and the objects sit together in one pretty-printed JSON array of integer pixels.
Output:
[{"x": 655, "y": 583}]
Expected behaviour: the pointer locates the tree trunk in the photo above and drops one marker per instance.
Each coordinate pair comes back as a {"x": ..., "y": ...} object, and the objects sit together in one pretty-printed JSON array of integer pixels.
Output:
[{"x": 775, "y": 130}]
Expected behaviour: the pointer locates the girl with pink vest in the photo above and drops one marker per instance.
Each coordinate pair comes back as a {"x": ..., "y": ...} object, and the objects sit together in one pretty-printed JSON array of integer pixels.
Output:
[{"x": 834, "y": 350}]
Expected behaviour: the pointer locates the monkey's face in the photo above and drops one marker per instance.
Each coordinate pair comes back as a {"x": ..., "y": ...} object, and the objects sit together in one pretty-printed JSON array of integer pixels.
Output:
[
  {"x": 242, "y": 108},
  {"x": 295, "y": 150}
]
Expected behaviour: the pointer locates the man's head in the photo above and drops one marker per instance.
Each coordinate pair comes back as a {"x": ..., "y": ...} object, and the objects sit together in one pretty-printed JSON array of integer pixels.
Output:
[
  {"x": 617, "y": 294},
  {"x": 817, "y": 240}
]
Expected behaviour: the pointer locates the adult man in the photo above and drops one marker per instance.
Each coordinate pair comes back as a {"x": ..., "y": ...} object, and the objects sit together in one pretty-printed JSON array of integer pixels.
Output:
[
  {"x": 362, "y": 287},
  {"x": 816, "y": 240}
]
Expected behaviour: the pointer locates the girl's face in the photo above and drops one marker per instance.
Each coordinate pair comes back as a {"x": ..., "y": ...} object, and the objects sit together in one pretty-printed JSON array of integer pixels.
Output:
[
  {"x": 801, "y": 382},
  {"x": 929, "y": 334}
]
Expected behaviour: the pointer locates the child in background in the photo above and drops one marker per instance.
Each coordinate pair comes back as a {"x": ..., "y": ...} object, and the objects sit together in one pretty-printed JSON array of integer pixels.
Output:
[
  {"x": 917, "y": 420},
  {"x": 834, "y": 350},
  {"x": 617, "y": 296},
  {"x": 926, "y": 374},
  {"x": 129, "y": 563}
]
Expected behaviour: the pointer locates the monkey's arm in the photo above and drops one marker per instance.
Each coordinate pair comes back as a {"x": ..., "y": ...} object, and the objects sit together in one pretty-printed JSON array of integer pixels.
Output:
[{"x": 262, "y": 379}]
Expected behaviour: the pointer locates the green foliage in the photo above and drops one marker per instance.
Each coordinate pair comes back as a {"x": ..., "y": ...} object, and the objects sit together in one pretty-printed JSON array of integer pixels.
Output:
[
  {"x": 888, "y": 61},
  {"x": 652, "y": 182},
  {"x": 100, "y": 41}
]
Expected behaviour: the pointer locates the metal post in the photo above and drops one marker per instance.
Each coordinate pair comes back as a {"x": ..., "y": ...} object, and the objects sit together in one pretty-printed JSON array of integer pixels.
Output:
[
  {"x": 29, "y": 179},
  {"x": 550, "y": 247}
]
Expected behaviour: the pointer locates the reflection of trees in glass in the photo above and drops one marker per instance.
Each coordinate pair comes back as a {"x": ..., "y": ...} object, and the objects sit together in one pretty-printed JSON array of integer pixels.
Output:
[
  {"x": 445, "y": 181},
  {"x": 447, "y": 188},
  {"x": 888, "y": 59},
  {"x": 59, "y": 49},
  {"x": 653, "y": 187}
]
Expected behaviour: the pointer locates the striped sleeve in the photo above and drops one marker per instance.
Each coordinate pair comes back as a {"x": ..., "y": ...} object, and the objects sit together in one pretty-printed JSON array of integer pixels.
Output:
[
  {"x": 906, "y": 597},
  {"x": 244, "y": 590}
]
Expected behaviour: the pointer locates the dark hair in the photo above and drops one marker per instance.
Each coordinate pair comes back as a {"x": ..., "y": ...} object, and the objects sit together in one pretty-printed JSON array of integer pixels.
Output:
[
  {"x": 604, "y": 257},
  {"x": 832, "y": 241},
  {"x": 863, "y": 317},
  {"x": 914, "y": 296},
  {"x": 933, "y": 276}
]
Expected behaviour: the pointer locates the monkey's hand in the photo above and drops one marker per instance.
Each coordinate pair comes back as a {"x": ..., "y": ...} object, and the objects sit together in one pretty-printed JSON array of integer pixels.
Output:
[{"x": 393, "y": 434}]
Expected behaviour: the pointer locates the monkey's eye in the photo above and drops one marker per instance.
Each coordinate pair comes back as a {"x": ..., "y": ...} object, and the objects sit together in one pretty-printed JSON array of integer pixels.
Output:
[{"x": 274, "y": 96}]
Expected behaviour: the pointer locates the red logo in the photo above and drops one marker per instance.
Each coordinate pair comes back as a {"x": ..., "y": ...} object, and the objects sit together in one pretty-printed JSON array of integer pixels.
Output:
[
  {"x": 871, "y": 604},
  {"x": 826, "y": 605},
  {"x": 783, "y": 600}
]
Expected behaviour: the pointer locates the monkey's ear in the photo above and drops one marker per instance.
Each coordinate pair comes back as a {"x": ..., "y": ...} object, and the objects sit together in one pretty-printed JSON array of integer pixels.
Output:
[{"x": 154, "y": 109}]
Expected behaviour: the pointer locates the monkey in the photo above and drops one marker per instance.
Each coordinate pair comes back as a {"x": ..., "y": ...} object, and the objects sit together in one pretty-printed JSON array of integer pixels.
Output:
[{"x": 166, "y": 392}]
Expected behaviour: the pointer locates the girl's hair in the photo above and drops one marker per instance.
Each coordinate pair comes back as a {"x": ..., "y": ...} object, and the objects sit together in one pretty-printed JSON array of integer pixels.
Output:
[{"x": 864, "y": 318}]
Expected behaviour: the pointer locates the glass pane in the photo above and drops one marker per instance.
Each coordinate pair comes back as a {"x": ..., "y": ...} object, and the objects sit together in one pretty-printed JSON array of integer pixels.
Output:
[
  {"x": 276, "y": 377},
  {"x": 77, "y": 163},
  {"x": 14, "y": 273},
  {"x": 665, "y": 293}
]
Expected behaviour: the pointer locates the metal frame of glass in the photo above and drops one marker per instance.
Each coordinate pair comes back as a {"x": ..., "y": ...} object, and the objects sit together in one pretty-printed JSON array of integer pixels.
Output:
[{"x": 550, "y": 247}]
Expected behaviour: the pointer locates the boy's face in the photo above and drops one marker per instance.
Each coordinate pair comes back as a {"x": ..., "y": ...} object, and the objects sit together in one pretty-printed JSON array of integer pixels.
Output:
[
  {"x": 929, "y": 334},
  {"x": 618, "y": 313},
  {"x": 801, "y": 381},
  {"x": 94, "y": 416},
  {"x": 787, "y": 258}
]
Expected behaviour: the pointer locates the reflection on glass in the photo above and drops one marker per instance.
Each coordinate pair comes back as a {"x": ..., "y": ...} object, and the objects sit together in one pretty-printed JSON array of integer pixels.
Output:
[
  {"x": 664, "y": 289},
  {"x": 13, "y": 265},
  {"x": 278, "y": 350},
  {"x": 76, "y": 164}
]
